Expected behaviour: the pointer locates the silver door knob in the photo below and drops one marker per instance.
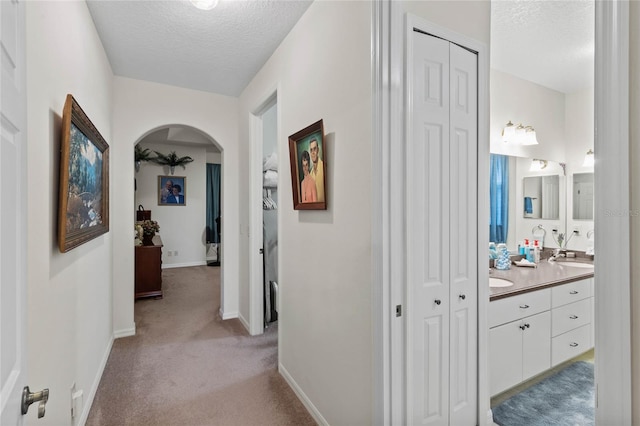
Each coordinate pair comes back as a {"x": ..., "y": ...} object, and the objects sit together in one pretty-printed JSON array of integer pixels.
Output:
[{"x": 29, "y": 398}]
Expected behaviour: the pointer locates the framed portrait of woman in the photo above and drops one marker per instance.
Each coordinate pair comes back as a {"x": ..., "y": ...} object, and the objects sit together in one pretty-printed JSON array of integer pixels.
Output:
[{"x": 307, "y": 155}]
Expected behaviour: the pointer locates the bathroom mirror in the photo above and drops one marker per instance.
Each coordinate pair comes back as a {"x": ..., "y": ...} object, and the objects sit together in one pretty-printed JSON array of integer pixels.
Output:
[
  {"x": 582, "y": 196},
  {"x": 541, "y": 197},
  {"x": 548, "y": 186}
]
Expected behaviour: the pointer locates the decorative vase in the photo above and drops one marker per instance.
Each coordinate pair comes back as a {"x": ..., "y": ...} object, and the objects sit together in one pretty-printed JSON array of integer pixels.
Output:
[
  {"x": 172, "y": 169},
  {"x": 147, "y": 239}
]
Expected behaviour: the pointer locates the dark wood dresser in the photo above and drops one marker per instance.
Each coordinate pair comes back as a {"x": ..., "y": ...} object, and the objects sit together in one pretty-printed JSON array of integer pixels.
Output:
[{"x": 149, "y": 269}]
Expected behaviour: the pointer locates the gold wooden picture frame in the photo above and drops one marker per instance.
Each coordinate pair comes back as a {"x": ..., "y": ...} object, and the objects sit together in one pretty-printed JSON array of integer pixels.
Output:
[{"x": 83, "y": 206}]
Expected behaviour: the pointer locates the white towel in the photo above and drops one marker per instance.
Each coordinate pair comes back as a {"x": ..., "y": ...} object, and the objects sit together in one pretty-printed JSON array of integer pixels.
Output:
[{"x": 270, "y": 162}]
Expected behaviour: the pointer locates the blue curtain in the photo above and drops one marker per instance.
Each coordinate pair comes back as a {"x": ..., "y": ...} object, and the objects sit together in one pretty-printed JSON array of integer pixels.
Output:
[
  {"x": 499, "y": 196},
  {"x": 213, "y": 202}
]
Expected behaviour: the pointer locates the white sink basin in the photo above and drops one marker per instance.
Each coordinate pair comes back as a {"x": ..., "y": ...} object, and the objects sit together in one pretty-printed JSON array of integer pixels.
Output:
[
  {"x": 499, "y": 282},
  {"x": 576, "y": 264}
]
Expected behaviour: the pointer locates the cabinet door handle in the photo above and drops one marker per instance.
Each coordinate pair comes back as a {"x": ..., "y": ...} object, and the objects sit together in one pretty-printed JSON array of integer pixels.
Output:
[
  {"x": 462, "y": 297},
  {"x": 573, "y": 292},
  {"x": 522, "y": 327},
  {"x": 573, "y": 345},
  {"x": 524, "y": 306},
  {"x": 527, "y": 325},
  {"x": 437, "y": 301},
  {"x": 573, "y": 317}
]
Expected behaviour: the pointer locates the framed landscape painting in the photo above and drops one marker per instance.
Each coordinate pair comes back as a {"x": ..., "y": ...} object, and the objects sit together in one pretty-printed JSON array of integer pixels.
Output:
[
  {"x": 83, "y": 204},
  {"x": 308, "y": 155}
]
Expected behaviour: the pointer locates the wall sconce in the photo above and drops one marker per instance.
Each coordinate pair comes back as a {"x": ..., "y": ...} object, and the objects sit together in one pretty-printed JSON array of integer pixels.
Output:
[
  {"x": 537, "y": 165},
  {"x": 530, "y": 136},
  {"x": 509, "y": 132},
  {"x": 204, "y": 4},
  {"x": 589, "y": 159},
  {"x": 519, "y": 135}
]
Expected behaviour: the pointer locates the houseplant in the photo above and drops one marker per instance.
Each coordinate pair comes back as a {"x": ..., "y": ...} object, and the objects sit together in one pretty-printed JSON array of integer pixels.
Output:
[
  {"x": 172, "y": 160},
  {"x": 141, "y": 155},
  {"x": 149, "y": 229}
]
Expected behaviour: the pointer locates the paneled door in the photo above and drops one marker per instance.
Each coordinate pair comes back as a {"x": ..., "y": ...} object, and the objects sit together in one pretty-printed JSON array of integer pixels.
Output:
[
  {"x": 13, "y": 212},
  {"x": 442, "y": 233}
]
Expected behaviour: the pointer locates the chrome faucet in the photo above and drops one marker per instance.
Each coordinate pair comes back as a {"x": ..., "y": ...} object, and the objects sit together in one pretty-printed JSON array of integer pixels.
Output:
[{"x": 558, "y": 253}]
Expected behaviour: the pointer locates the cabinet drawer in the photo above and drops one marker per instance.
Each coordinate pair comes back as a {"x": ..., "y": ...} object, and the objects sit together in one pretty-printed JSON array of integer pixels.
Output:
[
  {"x": 570, "y": 344},
  {"x": 567, "y": 293},
  {"x": 570, "y": 316},
  {"x": 520, "y": 306}
]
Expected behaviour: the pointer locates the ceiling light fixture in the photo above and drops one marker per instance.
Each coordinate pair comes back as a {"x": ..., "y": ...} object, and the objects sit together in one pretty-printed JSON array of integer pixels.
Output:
[
  {"x": 589, "y": 159},
  {"x": 204, "y": 4}
]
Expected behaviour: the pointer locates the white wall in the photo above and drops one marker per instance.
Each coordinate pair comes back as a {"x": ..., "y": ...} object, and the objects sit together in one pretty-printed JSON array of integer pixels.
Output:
[
  {"x": 634, "y": 132},
  {"x": 182, "y": 228},
  {"x": 325, "y": 346},
  {"x": 522, "y": 101},
  {"x": 70, "y": 294},
  {"x": 580, "y": 138},
  {"x": 140, "y": 107}
]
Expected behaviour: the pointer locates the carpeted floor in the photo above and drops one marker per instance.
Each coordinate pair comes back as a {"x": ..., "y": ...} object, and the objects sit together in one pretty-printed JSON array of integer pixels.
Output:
[
  {"x": 186, "y": 366},
  {"x": 566, "y": 398}
]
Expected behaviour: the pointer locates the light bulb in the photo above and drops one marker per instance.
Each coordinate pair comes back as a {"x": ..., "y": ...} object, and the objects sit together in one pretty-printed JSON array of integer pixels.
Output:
[{"x": 204, "y": 4}]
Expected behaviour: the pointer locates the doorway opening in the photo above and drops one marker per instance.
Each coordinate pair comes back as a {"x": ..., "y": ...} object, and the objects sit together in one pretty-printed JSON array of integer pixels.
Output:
[
  {"x": 191, "y": 228},
  {"x": 263, "y": 274},
  {"x": 555, "y": 96}
]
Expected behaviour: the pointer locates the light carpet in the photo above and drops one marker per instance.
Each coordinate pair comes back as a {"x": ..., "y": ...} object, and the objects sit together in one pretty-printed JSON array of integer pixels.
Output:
[
  {"x": 566, "y": 398},
  {"x": 186, "y": 366}
]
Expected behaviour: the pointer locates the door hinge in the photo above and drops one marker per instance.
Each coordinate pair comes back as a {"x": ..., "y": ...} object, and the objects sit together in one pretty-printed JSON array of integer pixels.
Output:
[{"x": 398, "y": 310}]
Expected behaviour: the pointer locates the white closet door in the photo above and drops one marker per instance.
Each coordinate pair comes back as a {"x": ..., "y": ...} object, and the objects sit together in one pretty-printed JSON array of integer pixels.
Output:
[
  {"x": 13, "y": 213},
  {"x": 427, "y": 234},
  {"x": 442, "y": 234},
  {"x": 463, "y": 234}
]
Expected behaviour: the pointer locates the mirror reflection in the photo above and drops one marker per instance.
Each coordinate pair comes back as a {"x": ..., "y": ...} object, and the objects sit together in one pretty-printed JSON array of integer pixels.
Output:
[
  {"x": 541, "y": 197},
  {"x": 512, "y": 181},
  {"x": 583, "y": 196}
]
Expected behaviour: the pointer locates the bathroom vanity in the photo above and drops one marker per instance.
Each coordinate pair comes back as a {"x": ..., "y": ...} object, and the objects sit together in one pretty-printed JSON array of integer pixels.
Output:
[{"x": 542, "y": 320}]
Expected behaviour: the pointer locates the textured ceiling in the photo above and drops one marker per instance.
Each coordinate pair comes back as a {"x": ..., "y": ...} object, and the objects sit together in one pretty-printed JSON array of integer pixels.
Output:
[
  {"x": 174, "y": 43},
  {"x": 549, "y": 42}
]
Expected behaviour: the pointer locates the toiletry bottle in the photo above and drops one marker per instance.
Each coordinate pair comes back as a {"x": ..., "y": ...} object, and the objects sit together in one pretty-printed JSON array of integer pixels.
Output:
[
  {"x": 536, "y": 251},
  {"x": 504, "y": 260}
]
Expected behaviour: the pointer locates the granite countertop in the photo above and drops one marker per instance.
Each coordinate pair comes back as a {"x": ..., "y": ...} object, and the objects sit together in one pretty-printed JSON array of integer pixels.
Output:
[{"x": 546, "y": 274}]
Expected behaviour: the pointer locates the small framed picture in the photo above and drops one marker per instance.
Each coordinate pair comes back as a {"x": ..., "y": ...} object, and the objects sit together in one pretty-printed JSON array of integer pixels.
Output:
[
  {"x": 308, "y": 154},
  {"x": 172, "y": 190}
]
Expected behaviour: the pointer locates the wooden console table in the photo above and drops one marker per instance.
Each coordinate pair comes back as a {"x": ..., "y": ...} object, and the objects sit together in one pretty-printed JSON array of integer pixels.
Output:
[{"x": 149, "y": 269}]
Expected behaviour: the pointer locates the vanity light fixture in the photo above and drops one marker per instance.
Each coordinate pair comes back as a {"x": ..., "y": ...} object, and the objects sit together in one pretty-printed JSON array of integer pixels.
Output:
[
  {"x": 519, "y": 135},
  {"x": 529, "y": 136},
  {"x": 509, "y": 132},
  {"x": 204, "y": 4},
  {"x": 537, "y": 165},
  {"x": 588, "y": 159}
]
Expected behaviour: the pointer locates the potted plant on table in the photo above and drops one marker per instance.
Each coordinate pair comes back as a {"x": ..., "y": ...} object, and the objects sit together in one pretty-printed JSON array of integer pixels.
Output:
[{"x": 149, "y": 229}]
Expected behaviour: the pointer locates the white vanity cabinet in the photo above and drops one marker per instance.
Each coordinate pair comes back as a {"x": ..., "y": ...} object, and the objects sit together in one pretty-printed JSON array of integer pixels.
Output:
[
  {"x": 571, "y": 319},
  {"x": 520, "y": 338},
  {"x": 532, "y": 332}
]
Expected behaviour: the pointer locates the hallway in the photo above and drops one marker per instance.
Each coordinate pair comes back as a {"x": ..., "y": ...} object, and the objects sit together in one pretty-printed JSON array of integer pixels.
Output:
[{"x": 186, "y": 366}]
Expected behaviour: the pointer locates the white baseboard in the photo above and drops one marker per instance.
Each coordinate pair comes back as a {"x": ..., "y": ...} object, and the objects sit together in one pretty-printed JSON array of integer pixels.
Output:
[
  {"x": 94, "y": 387},
  {"x": 183, "y": 265},
  {"x": 245, "y": 323},
  {"x": 302, "y": 396},
  {"x": 125, "y": 332},
  {"x": 228, "y": 315}
]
